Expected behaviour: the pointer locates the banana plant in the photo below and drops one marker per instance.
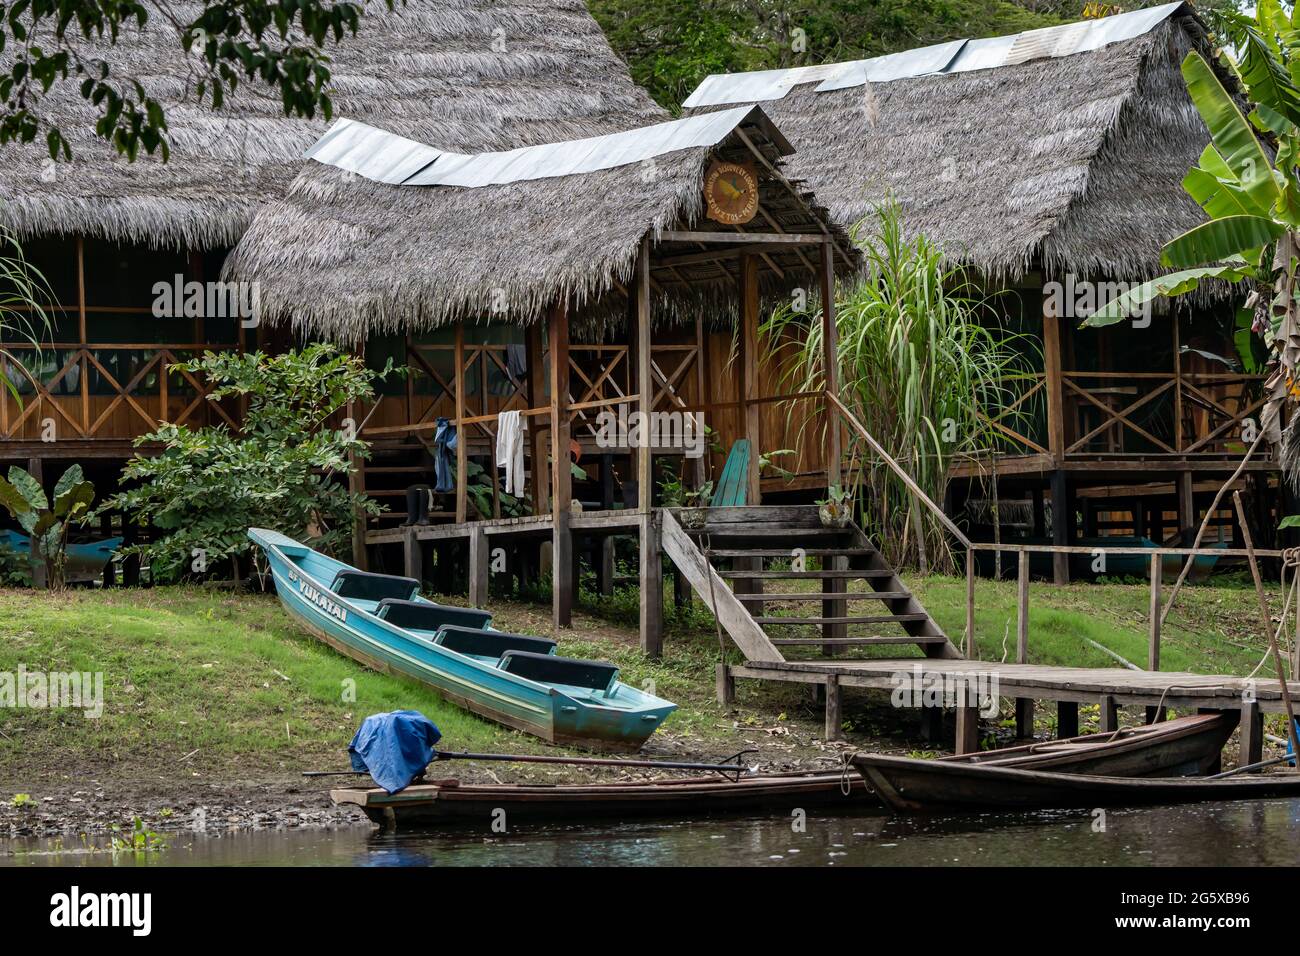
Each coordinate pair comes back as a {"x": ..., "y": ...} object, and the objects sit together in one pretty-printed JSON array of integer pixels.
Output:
[
  {"x": 1248, "y": 182},
  {"x": 47, "y": 524}
]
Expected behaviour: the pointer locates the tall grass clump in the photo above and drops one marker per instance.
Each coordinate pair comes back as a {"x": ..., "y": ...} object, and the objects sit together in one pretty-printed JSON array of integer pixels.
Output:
[{"x": 923, "y": 365}]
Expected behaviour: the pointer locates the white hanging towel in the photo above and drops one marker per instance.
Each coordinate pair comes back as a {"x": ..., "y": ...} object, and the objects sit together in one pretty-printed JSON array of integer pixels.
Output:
[{"x": 510, "y": 450}]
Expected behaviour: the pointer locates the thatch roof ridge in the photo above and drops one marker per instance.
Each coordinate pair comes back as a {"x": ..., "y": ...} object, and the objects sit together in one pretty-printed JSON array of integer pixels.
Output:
[
  {"x": 345, "y": 257},
  {"x": 1023, "y": 166},
  {"x": 486, "y": 74}
]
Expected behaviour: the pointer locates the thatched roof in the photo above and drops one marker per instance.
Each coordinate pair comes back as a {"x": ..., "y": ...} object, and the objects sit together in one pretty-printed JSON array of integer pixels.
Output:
[
  {"x": 483, "y": 74},
  {"x": 345, "y": 256},
  {"x": 1069, "y": 161}
]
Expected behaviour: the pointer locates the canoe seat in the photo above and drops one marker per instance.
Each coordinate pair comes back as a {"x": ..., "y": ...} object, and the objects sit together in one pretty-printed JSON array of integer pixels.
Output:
[
  {"x": 550, "y": 669},
  {"x": 351, "y": 583},
  {"x": 423, "y": 616},
  {"x": 469, "y": 640}
]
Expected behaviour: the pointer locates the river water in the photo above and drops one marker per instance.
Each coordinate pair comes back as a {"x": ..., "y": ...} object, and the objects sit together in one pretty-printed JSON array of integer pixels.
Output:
[{"x": 1240, "y": 833}]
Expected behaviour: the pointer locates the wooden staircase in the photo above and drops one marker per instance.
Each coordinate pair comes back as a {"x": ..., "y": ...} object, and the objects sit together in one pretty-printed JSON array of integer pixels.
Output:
[{"x": 747, "y": 565}]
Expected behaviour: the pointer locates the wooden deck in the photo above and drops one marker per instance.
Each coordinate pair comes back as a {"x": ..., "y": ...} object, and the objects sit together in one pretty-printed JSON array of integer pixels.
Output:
[{"x": 1111, "y": 688}]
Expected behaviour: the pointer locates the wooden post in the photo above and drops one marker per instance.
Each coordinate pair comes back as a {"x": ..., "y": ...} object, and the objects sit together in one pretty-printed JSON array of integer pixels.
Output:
[
  {"x": 652, "y": 588},
  {"x": 968, "y": 729},
  {"x": 462, "y": 433},
  {"x": 541, "y": 472},
  {"x": 1178, "y": 387},
  {"x": 357, "y": 486},
  {"x": 1067, "y": 719},
  {"x": 561, "y": 476},
  {"x": 1251, "y": 743},
  {"x": 1024, "y": 705},
  {"x": 834, "y": 720},
  {"x": 1054, "y": 389},
  {"x": 700, "y": 465},
  {"x": 830, "y": 361},
  {"x": 412, "y": 559},
  {"x": 1062, "y": 523},
  {"x": 970, "y": 604},
  {"x": 1186, "y": 504},
  {"x": 726, "y": 684},
  {"x": 1153, "y": 614},
  {"x": 835, "y": 607},
  {"x": 644, "y": 380},
  {"x": 1154, "y": 715},
  {"x": 749, "y": 309},
  {"x": 1109, "y": 715},
  {"x": 479, "y": 557}
]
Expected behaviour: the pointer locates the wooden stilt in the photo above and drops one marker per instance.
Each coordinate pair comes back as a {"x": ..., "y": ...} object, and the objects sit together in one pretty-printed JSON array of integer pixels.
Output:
[
  {"x": 830, "y": 360},
  {"x": 1109, "y": 715},
  {"x": 412, "y": 563},
  {"x": 607, "y": 565},
  {"x": 479, "y": 568},
  {"x": 968, "y": 729},
  {"x": 540, "y": 470},
  {"x": 1067, "y": 719},
  {"x": 834, "y": 720},
  {"x": 652, "y": 588},
  {"x": 726, "y": 685},
  {"x": 561, "y": 475},
  {"x": 1251, "y": 743},
  {"x": 462, "y": 433},
  {"x": 1024, "y": 705}
]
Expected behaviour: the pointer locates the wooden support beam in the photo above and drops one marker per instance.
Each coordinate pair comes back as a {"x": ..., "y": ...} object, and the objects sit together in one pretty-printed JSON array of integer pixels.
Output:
[
  {"x": 968, "y": 729},
  {"x": 1055, "y": 389},
  {"x": 1109, "y": 715},
  {"x": 1153, "y": 614},
  {"x": 1186, "y": 505},
  {"x": 1251, "y": 742},
  {"x": 541, "y": 472},
  {"x": 1067, "y": 719},
  {"x": 605, "y": 573},
  {"x": 970, "y": 651},
  {"x": 834, "y": 607},
  {"x": 830, "y": 361},
  {"x": 749, "y": 314},
  {"x": 644, "y": 380},
  {"x": 1024, "y": 705},
  {"x": 652, "y": 587},
  {"x": 746, "y": 238},
  {"x": 462, "y": 433},
  {"x": 834, "y": 709},
  {"x": 1062, "y": 522},
  {"x": 412, "y": 555},
  {"x": 479, "y": 567},
  {"x": 725, "y": 684},
  {"x": 561, "y": 476}
]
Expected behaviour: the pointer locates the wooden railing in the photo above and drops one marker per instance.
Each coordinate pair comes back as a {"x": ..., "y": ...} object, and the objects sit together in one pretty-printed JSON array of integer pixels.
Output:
[{"x": 82, "y": 397}]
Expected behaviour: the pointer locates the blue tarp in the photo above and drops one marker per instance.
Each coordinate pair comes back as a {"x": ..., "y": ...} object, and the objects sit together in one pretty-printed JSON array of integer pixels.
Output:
[{"x": 394, "y": 747}]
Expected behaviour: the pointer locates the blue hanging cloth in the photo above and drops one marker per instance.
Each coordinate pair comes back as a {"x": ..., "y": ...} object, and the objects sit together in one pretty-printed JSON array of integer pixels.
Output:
[
  {"x": 444, "y": 457},
  {"x": 393, "y": 748}
]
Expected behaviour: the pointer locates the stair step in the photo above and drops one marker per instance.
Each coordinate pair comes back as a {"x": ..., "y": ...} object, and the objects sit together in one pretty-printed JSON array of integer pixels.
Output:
[
  {"x": 752, "y": 531},
  {"x": 772, "y": 575},
  {"x": 828, "y": 596},
  {"x": 786, "y": 552},
  {"x": 847, "y": 641},
  {"x": 869, "y": 619}
]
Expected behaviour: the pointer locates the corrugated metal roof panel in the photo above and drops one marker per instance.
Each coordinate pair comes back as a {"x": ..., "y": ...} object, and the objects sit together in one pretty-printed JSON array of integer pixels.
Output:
[
  {"x": 385, "y": 157},
  {"x": 958, "y": 56}
]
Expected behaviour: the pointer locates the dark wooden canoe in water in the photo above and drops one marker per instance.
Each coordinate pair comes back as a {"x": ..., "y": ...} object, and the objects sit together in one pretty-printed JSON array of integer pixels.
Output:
[
  {"x": 906, "y": 785},
  {"x": 450, "y": 802},
  {"x": 1187, "y": 746}
]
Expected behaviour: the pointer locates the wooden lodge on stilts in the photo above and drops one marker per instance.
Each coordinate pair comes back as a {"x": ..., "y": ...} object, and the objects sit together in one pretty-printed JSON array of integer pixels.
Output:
[{"x": 1049, "y": 165}]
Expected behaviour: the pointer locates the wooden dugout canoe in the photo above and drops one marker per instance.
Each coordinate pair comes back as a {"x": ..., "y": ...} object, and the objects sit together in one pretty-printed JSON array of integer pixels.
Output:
[
  {"x": 449, "y": 802},
  {"x": 906, "y": 785}
]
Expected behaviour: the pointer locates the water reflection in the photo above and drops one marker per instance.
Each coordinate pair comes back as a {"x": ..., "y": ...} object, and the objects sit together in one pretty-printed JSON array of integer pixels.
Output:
[{"x": 1241, "y": 833}]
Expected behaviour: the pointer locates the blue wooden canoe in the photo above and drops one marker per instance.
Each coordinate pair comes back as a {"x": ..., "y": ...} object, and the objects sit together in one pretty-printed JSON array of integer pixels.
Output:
[{"x": 514, "y": 679}]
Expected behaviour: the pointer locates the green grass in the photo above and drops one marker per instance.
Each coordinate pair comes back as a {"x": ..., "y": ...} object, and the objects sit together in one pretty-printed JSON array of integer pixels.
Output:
[
  {"x": 188, "y": 669},
  {"x": 209, "y": 684},
  {"x": 1212, "y": 629}
]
